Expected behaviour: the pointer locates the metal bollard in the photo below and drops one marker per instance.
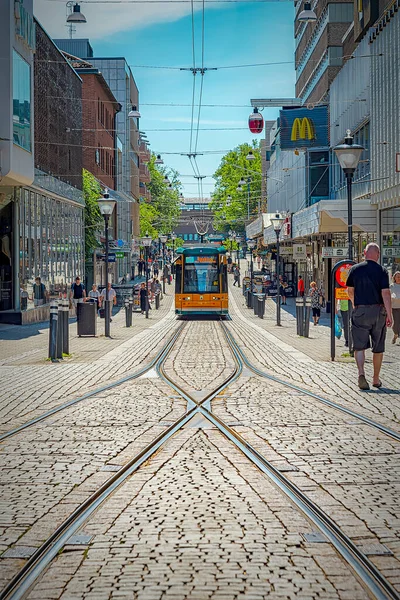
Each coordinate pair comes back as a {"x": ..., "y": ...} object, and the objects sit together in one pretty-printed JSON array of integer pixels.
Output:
[
  {"x": 65, "y": 337},
  {"x": 53, "y": 332},
  {"x": 261, "y": 307},
  {"x": 130, "y": 311},
  {"x": 300, "y": 316},
  {"x": 127, "y": 313},
  {"x": 307, "y": 311},
  {"x": 60, "y": 331},
  {"x": 255, "y": 304},
  {"x": 157, "y": 300}
]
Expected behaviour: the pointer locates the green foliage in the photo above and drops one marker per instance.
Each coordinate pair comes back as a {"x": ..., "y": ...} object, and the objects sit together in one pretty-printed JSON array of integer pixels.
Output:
[
  {"x": 232, "y": 168},
  {"x": 178, "y": 243},
  {"x": 161, "y": 216},
  {"x": 93, "y": 218}
]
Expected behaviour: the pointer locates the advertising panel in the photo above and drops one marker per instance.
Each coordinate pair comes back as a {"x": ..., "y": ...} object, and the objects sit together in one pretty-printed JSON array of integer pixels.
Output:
[{"x": 304, "y": 127}]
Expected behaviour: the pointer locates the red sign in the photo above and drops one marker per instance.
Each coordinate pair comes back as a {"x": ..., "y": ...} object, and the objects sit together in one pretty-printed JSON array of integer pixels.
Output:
[{"x": 342, "y": 274}]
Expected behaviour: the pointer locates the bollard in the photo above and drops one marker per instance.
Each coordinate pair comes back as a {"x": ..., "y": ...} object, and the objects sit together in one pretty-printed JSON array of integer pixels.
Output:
[
  {"x": 300, "y": 316},
  {"x": 53, "y": 332},
  {"x": 255, "y": 304},
  {"x": 307, "y": 311},
  {"x": 65, "y": 337},
  {"x": 130, "y": 311},
  {"x": 157, "y": 300},
  {"x": 261, "y": 308},
  {"x": 60, "y": 331},
  {"x": 127, "y": 313}
]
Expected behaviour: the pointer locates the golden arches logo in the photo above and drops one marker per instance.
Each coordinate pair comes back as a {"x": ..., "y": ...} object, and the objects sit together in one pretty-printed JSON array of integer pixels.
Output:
[{"x": 302, "y": 129}]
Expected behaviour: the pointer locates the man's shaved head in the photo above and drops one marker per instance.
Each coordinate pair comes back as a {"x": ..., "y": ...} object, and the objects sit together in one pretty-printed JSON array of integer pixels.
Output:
[{"x": 372, "y": 251}]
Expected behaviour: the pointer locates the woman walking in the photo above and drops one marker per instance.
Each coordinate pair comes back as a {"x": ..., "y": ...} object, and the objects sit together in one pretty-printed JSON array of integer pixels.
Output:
[
  {"x": 395, "y": 293},
  {"x": 315, "y": 294}
]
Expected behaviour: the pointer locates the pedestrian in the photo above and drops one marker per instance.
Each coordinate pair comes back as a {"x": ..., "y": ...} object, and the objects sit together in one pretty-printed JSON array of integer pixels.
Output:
[
  {"x": 315, "y": 294},
  {"x": 300, "y": 287},
  {"x": 229, "y": 261},
  {"x": 140, "y": 267},
  {"x": 156, "y": 269},
  {"x": 111, "y": 295},
  {"x": 343, "y": 310},
  {"x": 236, "y": 275},
  {"x": 368, "y": 289},
  {"x": 39, "y": 292},
  {"x": 395, "y": 294},
  {"x": 24, "y": 297},
  {"x": 95, "y": 295},
  {"x": 282, "y": 291},
  {"x": 78, "y": 293},
  {"x": 153, "y": 288},
  {"x": 166, "y": 274},
  {"x": 143, "y": 298}
]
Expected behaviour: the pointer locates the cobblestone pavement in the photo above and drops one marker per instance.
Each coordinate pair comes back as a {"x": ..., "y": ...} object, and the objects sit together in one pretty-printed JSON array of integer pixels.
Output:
[
  {"x": 28, "y": 390},
  {"x": 348, "y": 469},
  {"x": 201, "y": 360},
  {"x": 336, "y": 381},
  {"x": 49, "y": 469},
  {"x": 198, "y": 522}
]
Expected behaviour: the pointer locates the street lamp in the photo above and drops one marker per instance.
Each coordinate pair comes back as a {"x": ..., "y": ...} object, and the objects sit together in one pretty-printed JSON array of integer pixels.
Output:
[
  {"x": 76, "y": 16},
  {"x": 163, "y": 240},
  {"x": 146, "y": 242},
  {"x": 250, "y": 156},
  {"x": 348, "y": 155},
  {"x": 159, "y": 160},
  {"x": 106, "y": 207},
  {"x": 173, "y": 238},
  {"x": 277, "y": 223},
  {"x": 134, "y": 113},
  {"x": 251, "y": 245},
  {"x": 307, "y": 15}
]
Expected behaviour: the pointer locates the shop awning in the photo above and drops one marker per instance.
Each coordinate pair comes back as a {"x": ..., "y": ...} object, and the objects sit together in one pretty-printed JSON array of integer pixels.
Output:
[
  {"x": 256, "y": 227},
  {"x": 330, "y": 216}
]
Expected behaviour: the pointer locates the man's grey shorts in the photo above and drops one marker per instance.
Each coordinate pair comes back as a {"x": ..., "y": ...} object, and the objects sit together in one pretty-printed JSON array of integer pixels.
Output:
[{"x": 368, "y": 322}]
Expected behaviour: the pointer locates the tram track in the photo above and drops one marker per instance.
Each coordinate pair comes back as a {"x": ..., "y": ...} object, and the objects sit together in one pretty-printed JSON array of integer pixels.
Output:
[{"x": 370, "y": 577}]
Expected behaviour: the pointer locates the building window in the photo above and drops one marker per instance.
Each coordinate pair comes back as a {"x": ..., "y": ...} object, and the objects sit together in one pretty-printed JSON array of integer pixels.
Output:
[{"x": 21, "y": 102}]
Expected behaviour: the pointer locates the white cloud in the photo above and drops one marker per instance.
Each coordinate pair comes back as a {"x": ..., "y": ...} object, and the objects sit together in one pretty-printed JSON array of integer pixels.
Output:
[{"x": 106, "y": 19}]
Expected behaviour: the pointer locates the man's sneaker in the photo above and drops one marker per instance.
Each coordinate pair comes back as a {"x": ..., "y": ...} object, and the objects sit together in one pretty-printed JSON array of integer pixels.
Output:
[{"x": 363, "y": 383}]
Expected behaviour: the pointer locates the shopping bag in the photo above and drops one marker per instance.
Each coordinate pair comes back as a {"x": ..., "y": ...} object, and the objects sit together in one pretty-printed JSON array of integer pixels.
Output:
[
  {"x": 338, "y": 328},
  {"x": 102, "y": 313}
]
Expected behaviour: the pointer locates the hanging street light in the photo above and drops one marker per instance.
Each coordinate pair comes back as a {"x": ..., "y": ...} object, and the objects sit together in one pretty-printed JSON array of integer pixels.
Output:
[
  {"x": 76, "y": 16},
  {"x": 134, "y": 113},
  {"x": 277, "y": 223},
  {"x": 250, "y": 156},
  {"x": 106, "y": 207},
  {"x": 159, "y": 160},
  {"x": 256, "y": 122},
  {"x": 146, "y": 243},
  {"x": 348, "y": 155},
  {"x": 307, "y": 15}
]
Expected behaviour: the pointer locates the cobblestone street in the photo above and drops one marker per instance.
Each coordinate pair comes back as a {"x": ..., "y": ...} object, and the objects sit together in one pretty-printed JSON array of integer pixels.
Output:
[{"x": 192, "y": 514}]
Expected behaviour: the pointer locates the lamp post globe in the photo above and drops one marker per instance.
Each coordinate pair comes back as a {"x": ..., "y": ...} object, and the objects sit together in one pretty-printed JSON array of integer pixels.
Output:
[
  {"x": 348, "y": 155},
  {"x": 106, "y": 207}
]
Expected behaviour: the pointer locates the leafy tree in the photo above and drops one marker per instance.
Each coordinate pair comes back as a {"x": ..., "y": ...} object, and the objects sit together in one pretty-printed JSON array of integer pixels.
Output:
[
  {"x": 161, "y": 216},
  {"x": 92, "y": 216},
  {"x": 234, "y": 165}
]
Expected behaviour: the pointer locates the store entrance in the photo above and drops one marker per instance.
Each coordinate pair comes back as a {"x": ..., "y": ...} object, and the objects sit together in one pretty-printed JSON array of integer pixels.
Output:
[{"x": 6, "y": 270}]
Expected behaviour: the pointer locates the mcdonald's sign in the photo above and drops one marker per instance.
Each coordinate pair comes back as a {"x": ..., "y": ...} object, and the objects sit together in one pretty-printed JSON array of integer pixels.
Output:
[{"x": 303, "y": 127}]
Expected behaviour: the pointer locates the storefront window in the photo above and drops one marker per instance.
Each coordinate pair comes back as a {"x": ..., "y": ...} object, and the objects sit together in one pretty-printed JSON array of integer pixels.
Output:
[{"x": 21, "y": 102}]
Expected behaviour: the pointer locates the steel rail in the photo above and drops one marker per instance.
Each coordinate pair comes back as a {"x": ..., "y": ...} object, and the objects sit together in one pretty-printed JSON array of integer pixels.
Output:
[
  {"x": 99, "y": 390},
  {"x": 376, "y": 425},
  {"x": 25, "y": 579}
]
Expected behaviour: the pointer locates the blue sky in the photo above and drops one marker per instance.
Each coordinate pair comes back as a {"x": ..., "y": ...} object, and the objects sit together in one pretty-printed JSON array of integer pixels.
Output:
[{"x": 237, "y": 33}]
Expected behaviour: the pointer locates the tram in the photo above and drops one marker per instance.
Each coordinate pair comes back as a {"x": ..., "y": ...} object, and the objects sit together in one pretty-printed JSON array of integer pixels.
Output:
[{"x": 201, "y": 281}]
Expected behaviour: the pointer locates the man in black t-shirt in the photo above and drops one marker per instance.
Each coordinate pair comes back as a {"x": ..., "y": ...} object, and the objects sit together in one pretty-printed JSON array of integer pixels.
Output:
[{"x": 368, "y": 288}]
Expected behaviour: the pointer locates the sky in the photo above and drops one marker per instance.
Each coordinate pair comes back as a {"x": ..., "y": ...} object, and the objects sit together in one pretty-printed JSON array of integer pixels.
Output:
[{"x": 156, "y": 34}]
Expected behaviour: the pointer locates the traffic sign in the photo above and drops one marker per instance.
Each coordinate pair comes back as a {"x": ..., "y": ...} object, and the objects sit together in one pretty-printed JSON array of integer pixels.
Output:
[
  {"x": 342, "y": 273},
  {"x": 342, "y": 294},
  {"x": 120, "y": 254},
  {"x": 111, "y": 257},
  {"x": 120, "y": 243}
]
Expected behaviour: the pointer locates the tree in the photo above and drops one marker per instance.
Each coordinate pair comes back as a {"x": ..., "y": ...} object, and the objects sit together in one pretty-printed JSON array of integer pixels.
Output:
[
  {"x": 234, "y": 165},
  {"x": 162, "y": 215},
  {"x": 92, "y": 216}
]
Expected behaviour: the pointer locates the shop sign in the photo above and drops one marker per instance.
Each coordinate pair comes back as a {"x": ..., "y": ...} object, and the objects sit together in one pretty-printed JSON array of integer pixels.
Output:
[
  {"x": 303, "y": 127},
  {"x": 111, "y": 257},
  {"x": 119, "y": 254},
  {"x": 341, "y": 294},
  {"x": 286, "y": 251},
  {"x": 391, "y": 251},
  {"x": 331, "y": 252},
  {"x": 299, "y": 251}
]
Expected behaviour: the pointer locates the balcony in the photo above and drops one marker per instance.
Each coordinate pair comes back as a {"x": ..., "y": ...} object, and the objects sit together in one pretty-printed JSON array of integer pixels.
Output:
[
  {"x": 144, "y": 174},
  {"x": 144, "y": 152}
]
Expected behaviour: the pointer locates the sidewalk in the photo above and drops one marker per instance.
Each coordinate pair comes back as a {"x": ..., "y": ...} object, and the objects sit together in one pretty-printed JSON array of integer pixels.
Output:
[{"x": 31, "y": 384}]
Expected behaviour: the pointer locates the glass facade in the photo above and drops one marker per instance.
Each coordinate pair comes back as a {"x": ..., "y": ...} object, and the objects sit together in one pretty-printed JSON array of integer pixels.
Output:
[
  {"x": 51, "y": 242},
  {"x": 390, "y": 227},
  {"x": 21, "y": 102}
]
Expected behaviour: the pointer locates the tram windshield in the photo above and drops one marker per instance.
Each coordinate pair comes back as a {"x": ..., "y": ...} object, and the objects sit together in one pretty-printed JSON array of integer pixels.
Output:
[{"x": 201, "y": 274}]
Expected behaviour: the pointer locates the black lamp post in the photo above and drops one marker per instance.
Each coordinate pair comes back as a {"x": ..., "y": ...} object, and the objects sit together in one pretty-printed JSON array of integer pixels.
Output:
[
  {"x": 349, "y": 155},
  {"x": 251, "y": 245},
  {"x": 277, "y": 223},
  {"x": 163, "y": 240},
  {"x": 146, "y": 242},
  {"x": 237, "y": 238},
  {"x": 106, "y": 207}
]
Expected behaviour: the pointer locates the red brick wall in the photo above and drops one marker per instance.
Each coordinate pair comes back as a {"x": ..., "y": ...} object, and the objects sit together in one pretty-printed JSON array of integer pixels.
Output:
[{"x": 98, "y": 117}]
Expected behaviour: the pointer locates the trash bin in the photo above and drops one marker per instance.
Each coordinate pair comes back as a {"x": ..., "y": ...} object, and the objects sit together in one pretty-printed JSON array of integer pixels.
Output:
[{"x": 87, "y": 318}]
